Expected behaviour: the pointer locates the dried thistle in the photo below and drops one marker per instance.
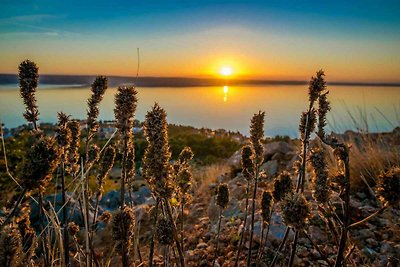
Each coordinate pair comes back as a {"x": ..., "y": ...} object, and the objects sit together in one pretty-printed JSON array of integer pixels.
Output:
[
  {"x": 28, "y": 82},
  {"x": 296, "y": 211},
  {"x": 125, "y": 107},
  {"x": 10, "y": 246},
  {"x": 63, "y": 135},
  {"x": 316, "y": 86},
  {"x": 28, "y": 235},
  {"x": 73, "y": 150},
  {"x": 73, "y": 229},
  {"x": 107, "y": 162},
  {"x": 307, "y": 124},
  {"x": 323, "y": 108},
  {"x": 282, "y": 186},
  {"x": 105, "y": 217},
  {"x": 98, "y": 88},
  {"x": 123, "y": 228},
  {"x": 184, "y": 183},
  {"x": 248, "y": 162},
  {"x": 40, "y": 164},
  {"x": 156, "y": 167},
  {"x": 185, "y": 156},
  {"x": 93, "y": 154},
  {"x": 164, "y": 231},
  {"x": 321, "y": 189},
  {"x": 388, "y": 186},
  {"x": 222, "y": 195},
  {"x": 266, "y": 206},
  {"x": 256, "y": 135}
]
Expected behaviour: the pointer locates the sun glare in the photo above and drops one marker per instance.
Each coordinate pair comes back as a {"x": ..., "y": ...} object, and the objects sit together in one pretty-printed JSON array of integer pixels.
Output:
[{"x": 226, "y": 71}]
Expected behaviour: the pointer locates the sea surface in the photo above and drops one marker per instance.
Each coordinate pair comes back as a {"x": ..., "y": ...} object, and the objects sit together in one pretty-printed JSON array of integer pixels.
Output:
[{"x": 372, "y": 108}]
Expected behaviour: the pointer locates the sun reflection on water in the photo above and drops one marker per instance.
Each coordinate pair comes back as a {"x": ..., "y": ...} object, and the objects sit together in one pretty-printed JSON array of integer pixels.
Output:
[{"x": 226, "y": 90}]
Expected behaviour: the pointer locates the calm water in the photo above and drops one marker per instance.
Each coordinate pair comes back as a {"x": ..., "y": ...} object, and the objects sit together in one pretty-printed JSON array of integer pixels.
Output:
[{"x": 223, "y": 107}]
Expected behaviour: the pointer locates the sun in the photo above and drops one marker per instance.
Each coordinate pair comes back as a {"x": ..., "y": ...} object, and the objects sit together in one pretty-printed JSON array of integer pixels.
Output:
[{"x": 226, "y": 71}]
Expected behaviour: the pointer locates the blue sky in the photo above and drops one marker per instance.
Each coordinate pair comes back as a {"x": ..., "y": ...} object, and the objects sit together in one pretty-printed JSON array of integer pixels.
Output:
[{"x": 265, "y": 39}]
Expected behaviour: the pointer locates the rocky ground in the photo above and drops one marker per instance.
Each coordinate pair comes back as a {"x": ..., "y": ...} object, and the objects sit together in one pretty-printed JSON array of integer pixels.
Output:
[{"x": 376, "y": 243}]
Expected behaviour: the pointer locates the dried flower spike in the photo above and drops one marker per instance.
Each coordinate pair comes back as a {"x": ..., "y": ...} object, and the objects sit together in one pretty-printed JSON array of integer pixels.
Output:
[
  {"x": 10, "y": 246},
  {"x": 73, "y": 150},
  {"x": 39, "y": 165},
  {"x": 93, "y": 154},
  {"x": 316, "y": 86},
  {"x": 156, "y": 166},
  {"x": 107, "y": 163},
  {"x": 307, "y": 124},
  {"x": 123, "y": 228},
  {"x": 321, "y": 189},
  {"x": 98, "y": 88},
  {"x": 295, "y": 211},
  {"x": 388, "y": 186},
  {"x": 164, "y": 231},
  {"x": 323, "y": 108},
  {"x": 222, "y": 195},
  {"x": 248, "y": 162},
  {"x": 63, "y": 136},
  {"x": 125, "y": 107},
  {"x": 185, "y": 156},
  {"x": 73, "y": 228},
  {"x": 266, "y": 206},
  {"x": 28, "y": 82},
  {"x": 282, "y": 186},
  {"x": 256, "y": 135}
]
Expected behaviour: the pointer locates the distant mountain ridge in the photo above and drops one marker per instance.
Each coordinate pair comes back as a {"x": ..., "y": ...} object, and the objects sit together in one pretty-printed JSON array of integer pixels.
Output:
[{"x": 84, "y": 80}]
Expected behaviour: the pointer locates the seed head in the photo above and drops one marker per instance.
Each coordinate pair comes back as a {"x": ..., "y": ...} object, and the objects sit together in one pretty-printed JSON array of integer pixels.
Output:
[
  {"x": 266, "y": 206},
  {"x": 156, "y": 161},
  {"x": 123, "y": 228},
  {"x": 295, "y": 211},
  {"x": 248, "y": 162},
  {"x": 105, "y": 217},
  {"x": 63, "y": 136},
  {"x": 321, "y": 189},
  {"x": 28, "y": 235},
  {"x": 164, "y": 231},
  {"x": 98, "y": 88},
  {"x": 28, "y": 82},
  {"x": 316, "y": 86},
  {"x": 282, "y": 186},
  {"x": 184, "y": 183},
  {"x": 256, "y": 135},
  {"x": 10, "y": 246},
  {"x": 125, "y": 107},
  {"x": 307, "y": 124},
  {"x": 388, "y": 186},
  {"x": 222, "y": 195},
  {"x": 40, "y": 164},
  {"x": 93, "y": 154},
  {"x": 107, "y": 163},
  {"x": 323, "y": 108},
  {"x": 186, "y": 155},
  {"x": 73, "y": 150},
  {"x": 73, "y": 229}
]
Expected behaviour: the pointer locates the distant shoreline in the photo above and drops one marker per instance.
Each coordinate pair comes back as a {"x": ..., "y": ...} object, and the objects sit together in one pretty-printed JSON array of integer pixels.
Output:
[{"x": 86, "y": 80}]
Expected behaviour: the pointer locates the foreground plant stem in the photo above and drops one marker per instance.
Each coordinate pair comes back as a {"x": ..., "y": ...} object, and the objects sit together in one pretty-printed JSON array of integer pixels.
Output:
[
  {"x": 253, "y": 209},
  {"x": 373, "y": 215},
  {"x": 218, "y": 232},
  {"x": 244, "y": 225},
  {"x": 65, "y": 214},
  {"x": 151, "y": 254},
  {"x": 174, "y": 231},
  {"x": 281, "y": 245}
]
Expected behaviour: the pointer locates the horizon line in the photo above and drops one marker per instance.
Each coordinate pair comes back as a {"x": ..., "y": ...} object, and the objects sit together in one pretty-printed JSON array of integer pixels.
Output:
[{"x": 176, "y": 81}]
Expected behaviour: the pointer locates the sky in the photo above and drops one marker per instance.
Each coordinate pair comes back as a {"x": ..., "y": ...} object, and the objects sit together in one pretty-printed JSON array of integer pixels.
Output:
[{"x": 278, "y": 40}]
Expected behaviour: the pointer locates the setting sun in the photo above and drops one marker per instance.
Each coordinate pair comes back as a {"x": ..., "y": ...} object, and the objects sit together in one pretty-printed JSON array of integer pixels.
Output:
[{"x": 226, "y": 71}]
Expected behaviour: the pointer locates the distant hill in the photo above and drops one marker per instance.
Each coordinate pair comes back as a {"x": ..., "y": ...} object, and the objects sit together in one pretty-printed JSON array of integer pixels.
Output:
[{"x": 85, "y": 80}]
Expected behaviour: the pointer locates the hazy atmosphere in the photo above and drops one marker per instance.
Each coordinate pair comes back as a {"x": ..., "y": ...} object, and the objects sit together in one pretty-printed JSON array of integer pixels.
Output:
[{"x": 199, "y": 133}]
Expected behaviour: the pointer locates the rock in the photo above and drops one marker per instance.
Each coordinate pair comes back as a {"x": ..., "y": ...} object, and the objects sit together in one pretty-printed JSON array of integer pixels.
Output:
[
  {"x": 276, "y": 147},
  {"x": 270, "y": 167}
]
